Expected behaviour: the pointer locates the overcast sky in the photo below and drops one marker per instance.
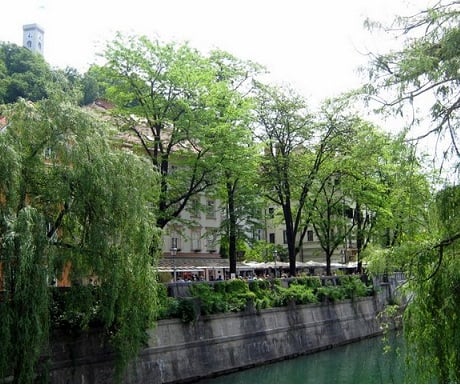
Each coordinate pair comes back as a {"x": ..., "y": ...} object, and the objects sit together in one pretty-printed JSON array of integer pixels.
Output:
[{"x": 315, "y": 46}]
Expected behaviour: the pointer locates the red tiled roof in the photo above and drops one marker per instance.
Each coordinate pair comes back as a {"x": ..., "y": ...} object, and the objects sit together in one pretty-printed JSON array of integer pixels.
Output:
[
  {"x": 104, "y": 104},
  {"x": 3, "y": 122}
]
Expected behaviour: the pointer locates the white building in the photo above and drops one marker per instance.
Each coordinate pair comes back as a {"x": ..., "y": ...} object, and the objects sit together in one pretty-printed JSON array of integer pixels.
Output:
[{"x": 197, "y": 231}]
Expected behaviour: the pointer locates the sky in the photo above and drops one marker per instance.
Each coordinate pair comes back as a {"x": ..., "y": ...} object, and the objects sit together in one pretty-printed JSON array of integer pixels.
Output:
[{"x": 315, "y": 46}]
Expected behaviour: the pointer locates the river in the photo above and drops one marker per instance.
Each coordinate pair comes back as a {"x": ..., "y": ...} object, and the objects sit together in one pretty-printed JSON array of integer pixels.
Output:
[{"x": 356, "y": 363}]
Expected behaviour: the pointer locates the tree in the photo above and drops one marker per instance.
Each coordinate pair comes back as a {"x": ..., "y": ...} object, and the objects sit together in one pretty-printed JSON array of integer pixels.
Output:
[
  {"x": 163, "y": 95},
  {"x": 430, "y": 260},
  {"x": 233, "y": 152},
  {"x": 329, "y": 216},
  {"x": 70, "y": 197},
  {"x": 68, "y": 83},
  {"x": 335, "y": 207},
  {"x": 426, "y": 67},
  {"x": 364, "y": 188},
  {"x": 295, "y": 147},
  {"x": 27, "y": 74},
  {"x": 90, "y": 86}
]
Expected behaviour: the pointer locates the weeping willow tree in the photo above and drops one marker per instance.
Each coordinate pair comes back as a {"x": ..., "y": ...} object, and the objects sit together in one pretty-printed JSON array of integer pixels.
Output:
[
  {"x": 71, "y": 200},
  {"x": 424, "y": 76},
  {"x": 431, "y": 319}
]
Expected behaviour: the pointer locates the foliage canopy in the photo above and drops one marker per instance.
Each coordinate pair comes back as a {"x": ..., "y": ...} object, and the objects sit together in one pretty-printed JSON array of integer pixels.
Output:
[
  {"x": 70, "y": 199},
  {"x": 428, "y": 67}
]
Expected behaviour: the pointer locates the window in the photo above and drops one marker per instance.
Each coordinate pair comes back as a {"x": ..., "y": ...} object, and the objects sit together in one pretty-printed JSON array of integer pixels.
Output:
[
  {"x": 51, "y": 231},
  {"x": 310, "y": 235},
  {"x": 196, "y": 239},
  {"x": 194, "y": 207},
  {"x": 210, "y": 209},
  {"x": 211, "y": 239},
  {"x": 349, "y": 212},
  {"x": 271, "y": 212},
  {"x": 257, "y": 234},
  {"x": 284, "y": 237},
  {"x": 47, "y": 152},
  {"x": 175, "y": 241},
  {"x": 271, "y": 237}
]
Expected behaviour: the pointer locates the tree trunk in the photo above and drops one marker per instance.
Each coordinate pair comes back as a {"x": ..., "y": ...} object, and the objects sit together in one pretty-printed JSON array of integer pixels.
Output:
[
  {"x": 231, "y": 228},
  {"x": 359, "y": 234}
]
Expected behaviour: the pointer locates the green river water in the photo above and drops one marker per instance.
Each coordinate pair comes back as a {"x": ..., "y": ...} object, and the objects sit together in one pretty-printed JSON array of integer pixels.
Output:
[{"x": 362, "y": 362}]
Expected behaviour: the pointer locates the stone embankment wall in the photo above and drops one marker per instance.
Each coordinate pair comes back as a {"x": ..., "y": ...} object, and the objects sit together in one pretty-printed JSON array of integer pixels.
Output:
[{"x": 180, "y": 352}]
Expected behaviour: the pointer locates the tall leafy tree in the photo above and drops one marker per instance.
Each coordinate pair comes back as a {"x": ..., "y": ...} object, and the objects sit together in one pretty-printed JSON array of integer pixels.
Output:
[
  {"x": 295, "y": 147},
  {"x": 162, "y": 94},
  {"x": 329, "y": 215},
  {"x": 405, "y": 179},
  {"x": 363, "y": 190},
  {"x": 233, "y": 152},
  {"x": 333, "y": 208},
  {"x": 69, "y": 197}
]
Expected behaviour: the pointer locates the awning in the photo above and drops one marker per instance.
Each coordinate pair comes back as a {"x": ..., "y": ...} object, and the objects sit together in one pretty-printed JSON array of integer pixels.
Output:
[
  {"x": 181, "y": 270},
  {"x": 311, "y": 264}
]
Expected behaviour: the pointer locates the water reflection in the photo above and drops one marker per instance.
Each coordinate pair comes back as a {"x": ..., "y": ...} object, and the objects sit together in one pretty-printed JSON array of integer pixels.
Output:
[{"x": 358, "y": 363}]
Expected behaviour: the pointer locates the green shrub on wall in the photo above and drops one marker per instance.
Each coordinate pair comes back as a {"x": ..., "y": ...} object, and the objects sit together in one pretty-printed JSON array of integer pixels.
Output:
[
  {"x": 188, "y": 310},
  {"x": 262, "y": 294},
  {"x": 353, "y": 287},
  {"x": 235, "y": 295},
  {"x": 168, "y": 307},
  {"x": 212, "y": 298},
  {"x": 299, "y": 294},
  {"x": 330, "y": 293},
  {"x": 311, "y": 282}
]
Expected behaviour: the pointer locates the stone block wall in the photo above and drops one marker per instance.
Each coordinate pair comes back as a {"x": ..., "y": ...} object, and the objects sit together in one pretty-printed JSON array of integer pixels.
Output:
[{"x": 180, "y": 352}]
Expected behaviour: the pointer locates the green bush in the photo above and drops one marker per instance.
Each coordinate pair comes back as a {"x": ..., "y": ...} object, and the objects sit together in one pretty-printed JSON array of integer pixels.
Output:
[
  {"x": 238, "y": 294},
  {"x": 75, "y": 308},
  {"x": 219, "y": 287},
  {"x": 212, "y": 298},
  {"x": 330, "y": 293},
  {"x": 236, "y": 286},
  {"x": 312, "y": 282},
  {"x": 167, "y": 306},
  {"x": 188, "y": 310},
  {"x": 353, "y": 287},
  {"x": 300, "y": 294},
  {"x": 263, "y": 302},
  {"x": 234, "y": 295},
  {"x": 295, "y": 293},
  {"x": 278, "y": 296},
  {"x": 259, "y": 284},
  {"x": 262, "y": 294}
]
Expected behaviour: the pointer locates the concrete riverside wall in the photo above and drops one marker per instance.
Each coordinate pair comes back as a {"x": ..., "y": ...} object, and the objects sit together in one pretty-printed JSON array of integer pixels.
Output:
[{"x": 180, "y": 352}]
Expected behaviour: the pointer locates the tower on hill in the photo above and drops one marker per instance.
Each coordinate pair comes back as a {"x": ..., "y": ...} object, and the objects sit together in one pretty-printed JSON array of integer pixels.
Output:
[{"x": 33, "y": 37}]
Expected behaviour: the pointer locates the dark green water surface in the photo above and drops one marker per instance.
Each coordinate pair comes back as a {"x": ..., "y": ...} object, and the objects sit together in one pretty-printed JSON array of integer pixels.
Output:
[{"x": 362, "y": 362}]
